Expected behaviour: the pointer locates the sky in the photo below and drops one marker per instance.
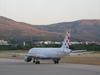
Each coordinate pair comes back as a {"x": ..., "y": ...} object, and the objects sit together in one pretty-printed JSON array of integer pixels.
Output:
[{"x": 44, "y": 12}]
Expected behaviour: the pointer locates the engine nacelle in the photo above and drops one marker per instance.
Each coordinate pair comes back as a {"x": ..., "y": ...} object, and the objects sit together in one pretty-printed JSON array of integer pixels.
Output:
[{"x": 27, "y": 58}]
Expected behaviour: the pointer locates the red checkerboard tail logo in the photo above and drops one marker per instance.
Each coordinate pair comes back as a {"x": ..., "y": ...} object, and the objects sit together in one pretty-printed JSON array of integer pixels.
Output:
[{"x": 66, "y": 40}]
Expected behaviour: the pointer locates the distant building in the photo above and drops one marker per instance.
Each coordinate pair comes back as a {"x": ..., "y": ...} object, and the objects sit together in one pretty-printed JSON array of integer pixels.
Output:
[
  {"x": 39, "y": 42},
  {"x": 47, "y": 42},
  {"x": 50, "y": 42},
  {"x": 97, "y": 43},
  {"x": 2, "y": 42},
  {"x": 70, "y": 43},
  {"x": 75, "y": 43},
  {"x": 24, "y": 43}
]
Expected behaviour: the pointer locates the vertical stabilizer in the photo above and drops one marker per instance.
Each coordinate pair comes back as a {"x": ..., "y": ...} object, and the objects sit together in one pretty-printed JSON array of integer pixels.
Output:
[{"x": 66, "y": 40}]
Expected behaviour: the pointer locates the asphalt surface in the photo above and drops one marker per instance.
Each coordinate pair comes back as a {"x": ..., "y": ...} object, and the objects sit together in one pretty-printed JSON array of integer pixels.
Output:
[
  {"x": 19, "y": 67},
  {"x": 84, "y": 56}
]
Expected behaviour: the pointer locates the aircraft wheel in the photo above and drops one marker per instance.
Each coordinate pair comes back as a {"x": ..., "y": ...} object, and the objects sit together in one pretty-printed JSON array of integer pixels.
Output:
[
  {"x": 57, "y": 62},
  {"x": 33, "y": 61},
  {"x": 38, "y": 62},
  {"x": 54, "y": 62}
]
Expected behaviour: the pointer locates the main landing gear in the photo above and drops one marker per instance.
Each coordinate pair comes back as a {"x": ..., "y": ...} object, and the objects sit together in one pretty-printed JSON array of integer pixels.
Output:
[
  {"x": 36, "y": 62},
  {"x": 56, "y": 61}
]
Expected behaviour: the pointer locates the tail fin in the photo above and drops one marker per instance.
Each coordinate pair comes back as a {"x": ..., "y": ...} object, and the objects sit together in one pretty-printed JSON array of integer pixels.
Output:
[{"x": 66, "y": 40}]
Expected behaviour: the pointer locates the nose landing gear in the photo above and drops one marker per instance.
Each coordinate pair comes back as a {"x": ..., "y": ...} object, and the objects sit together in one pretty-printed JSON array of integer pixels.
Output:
[{"x": 36, "y": 62}]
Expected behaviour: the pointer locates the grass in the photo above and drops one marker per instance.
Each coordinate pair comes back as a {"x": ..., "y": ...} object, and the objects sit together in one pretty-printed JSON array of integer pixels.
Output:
[{"x": 82, "y": 60}]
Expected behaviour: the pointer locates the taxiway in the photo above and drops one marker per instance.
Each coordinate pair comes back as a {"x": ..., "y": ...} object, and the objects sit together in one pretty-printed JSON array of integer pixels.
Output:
[{"x": 19, "y": 67}]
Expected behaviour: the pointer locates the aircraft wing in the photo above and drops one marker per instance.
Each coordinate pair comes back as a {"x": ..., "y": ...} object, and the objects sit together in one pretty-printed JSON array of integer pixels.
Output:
[
  {"x": 80, "y": 53},
  {"x": 78, "y": 50},
  {"x": 16, "y": 54}
]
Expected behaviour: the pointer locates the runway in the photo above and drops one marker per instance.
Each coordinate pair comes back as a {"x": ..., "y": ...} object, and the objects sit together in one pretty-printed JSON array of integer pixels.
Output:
[
  {"x": 19, "y": 67},
  {"x": 84, "y": 56}
]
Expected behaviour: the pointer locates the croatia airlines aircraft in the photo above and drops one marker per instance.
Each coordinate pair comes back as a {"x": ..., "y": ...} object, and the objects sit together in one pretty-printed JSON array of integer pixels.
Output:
[{"x": 48, "y": 53}]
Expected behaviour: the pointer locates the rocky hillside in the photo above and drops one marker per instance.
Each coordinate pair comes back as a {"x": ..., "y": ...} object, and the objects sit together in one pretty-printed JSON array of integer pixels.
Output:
[
  {"x": 80, "y": 30},
  {"x": 12, "y": 29}
]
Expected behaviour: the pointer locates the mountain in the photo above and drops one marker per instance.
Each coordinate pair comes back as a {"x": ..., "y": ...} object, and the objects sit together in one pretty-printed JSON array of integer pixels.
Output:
[
  {"x": 16, "y": 30},
  {"x": 80, "y": 30}
]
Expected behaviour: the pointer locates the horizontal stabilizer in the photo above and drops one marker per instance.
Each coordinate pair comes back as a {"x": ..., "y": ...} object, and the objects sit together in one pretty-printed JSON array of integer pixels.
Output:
[
  {"x": 80, "y": 53},
  {"x": 78, "y": 50}
]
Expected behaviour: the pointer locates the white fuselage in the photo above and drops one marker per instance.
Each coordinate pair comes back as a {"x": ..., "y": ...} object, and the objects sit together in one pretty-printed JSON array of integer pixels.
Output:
[{"x": 49, "y": 53}]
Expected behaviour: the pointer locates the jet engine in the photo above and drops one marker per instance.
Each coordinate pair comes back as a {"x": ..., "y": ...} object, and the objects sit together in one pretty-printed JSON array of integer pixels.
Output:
[{"x": 27, "y": 58}]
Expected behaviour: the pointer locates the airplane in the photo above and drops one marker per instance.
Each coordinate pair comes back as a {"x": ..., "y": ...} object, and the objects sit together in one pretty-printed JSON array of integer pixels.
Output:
[{"x": 54, "y": 54}]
